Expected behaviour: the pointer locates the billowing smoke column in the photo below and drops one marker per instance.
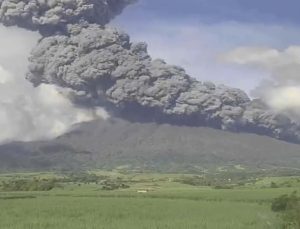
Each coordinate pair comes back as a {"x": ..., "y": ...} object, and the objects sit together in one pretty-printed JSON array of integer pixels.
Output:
[
  {"x": 103, "y": 67},
  {"x": 50, "y": 16}
]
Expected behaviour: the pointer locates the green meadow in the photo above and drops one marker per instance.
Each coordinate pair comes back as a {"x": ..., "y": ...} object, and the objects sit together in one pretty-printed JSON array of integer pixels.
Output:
[{"x": 138, "y": 201}]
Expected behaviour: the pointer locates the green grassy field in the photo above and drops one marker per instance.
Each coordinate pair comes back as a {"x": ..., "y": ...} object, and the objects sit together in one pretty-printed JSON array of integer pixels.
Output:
[{"x": 166, "y": 204}]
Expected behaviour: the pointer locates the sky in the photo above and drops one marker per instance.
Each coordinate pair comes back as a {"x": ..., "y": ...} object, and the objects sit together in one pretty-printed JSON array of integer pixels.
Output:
[{"x": 200, "y": 35}]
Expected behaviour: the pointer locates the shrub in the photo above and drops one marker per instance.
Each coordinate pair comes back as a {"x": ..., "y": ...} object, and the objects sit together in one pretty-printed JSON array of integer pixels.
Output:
[
  {"x": 195, "y": 181},
  {"x": 85, "y": 178},
  {"x": 28, "y": 185},
  {"x": 274, "y": 185},
  {"x": 109, "y": 185},
  {"x": 289, "y": 207},
  {"x": 285, "y": 202},
  {"x": 223, "y": 187}
]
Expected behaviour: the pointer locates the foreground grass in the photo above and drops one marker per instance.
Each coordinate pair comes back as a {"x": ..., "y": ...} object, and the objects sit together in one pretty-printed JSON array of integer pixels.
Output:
[
  {"x": 133, "y": 213},
  {"x": 168, "y": 205}
]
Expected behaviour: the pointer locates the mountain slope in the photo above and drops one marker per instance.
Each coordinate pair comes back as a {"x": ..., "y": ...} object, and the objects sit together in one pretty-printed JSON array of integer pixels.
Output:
[{"x": 115, "y": 142}]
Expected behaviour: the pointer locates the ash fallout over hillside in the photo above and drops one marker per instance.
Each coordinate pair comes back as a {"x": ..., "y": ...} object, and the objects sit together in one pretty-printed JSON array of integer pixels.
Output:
[{"x": 102, "y": 67}]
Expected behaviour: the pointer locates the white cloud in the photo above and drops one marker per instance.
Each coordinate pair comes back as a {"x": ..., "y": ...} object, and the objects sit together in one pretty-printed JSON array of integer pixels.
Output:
[
  {"x": 284, "y": 98},
  {"x": 5, "y": 76},
  {"x": 255, "y": 55},
  {"x": 282, "y": 91},
  {"x": 28, "y": 113},
  {"x": 283, "y": 65}
]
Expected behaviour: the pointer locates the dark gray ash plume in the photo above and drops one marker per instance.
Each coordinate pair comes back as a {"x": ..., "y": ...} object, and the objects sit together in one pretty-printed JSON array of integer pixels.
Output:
[
  {"x": 103, "y": 67},
  {"x": 49, "y": 16}
]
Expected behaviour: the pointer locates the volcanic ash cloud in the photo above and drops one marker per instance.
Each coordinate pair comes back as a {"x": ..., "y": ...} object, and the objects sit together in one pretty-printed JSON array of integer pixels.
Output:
[
  {"x": 50, "y": 16},
  {"x": 102, "y": 67}
]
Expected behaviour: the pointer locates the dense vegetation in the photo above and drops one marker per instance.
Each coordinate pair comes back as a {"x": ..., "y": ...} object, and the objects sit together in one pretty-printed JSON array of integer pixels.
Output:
[
  {"x": 289, "y": 207},
  {"x": 28, "y": 185},
  {"x": 36, "y": 184}
]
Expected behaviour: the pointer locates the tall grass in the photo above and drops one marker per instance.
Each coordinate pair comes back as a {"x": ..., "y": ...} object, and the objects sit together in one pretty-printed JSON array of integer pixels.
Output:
[
  {"x": 52, "y": 212},
  {"x": 168, "y": 205}
]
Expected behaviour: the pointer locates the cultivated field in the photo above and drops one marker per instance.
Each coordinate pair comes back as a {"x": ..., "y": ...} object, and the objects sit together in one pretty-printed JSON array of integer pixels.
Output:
[{"x": 110, "y": 200}]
